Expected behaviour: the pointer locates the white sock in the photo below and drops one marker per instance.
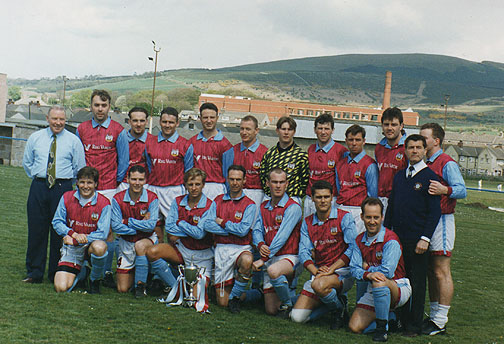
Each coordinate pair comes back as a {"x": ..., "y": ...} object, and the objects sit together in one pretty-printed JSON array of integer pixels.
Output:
[
  {"x": 433, "y": 309},
  {"x": 441, "y": 317}
]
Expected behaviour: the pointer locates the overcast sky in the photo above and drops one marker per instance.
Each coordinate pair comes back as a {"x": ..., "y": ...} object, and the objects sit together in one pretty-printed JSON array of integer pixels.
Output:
[{"x": 47, "y": 38}]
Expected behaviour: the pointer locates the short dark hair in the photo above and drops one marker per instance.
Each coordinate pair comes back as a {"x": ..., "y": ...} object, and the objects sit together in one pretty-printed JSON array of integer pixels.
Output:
[
  {"x": 371, "y": 201},
  {"x": 136, "y": 168},
  {"x": 354, "y": 130},
  {"x": 210, "y": 106},
  {"x": 287, "y": 119},
  {"x": 437, "y": 131},
  {"x": 88, "y": 172},
  {"x": 277, "y": 170},
  {"x": 391, "y": 113},
  {"x": 194, "y": 172},
  {"x": 169, "y": 111},
  {"x": 237, "y": 168},
  {"x": 323, "y": 119},
  {"x": 138, "y": 109},
  {"x": 104, "y": 95},
  {"x": 415, "y": 137},
  {"x": 250, "y": 118},
  {"x": 321, "y": 185}
]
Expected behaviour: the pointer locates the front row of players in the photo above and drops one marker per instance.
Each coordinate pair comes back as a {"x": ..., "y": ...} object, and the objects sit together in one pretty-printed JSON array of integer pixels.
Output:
[{"x": 326, "y": 243}]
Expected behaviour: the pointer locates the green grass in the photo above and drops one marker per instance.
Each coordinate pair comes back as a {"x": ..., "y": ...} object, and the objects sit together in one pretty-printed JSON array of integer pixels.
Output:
[{"x": 36, "y": 314}]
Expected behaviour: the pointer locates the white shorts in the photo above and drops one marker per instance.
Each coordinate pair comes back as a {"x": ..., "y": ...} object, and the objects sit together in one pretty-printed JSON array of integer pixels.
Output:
[
  {"x": 291, "y": 258},
  {"x": 443, "y": 239},
  {"x": 166, "y": 195},
  {"x": 384, "y": 200},
  {"x": 226, "y": 257},
  {"x": 344, "y": 277},
  {"x": 256, "y": 195},
  {"x": 109, "y": 193},
  {"x": 356, "y": 212},
  {"x": 73, "y": 256},
  {"x": 212, "y": 190},
  {"x": 367, "y": 300},
  {"x": 200, "y": 258},
  {"x": 126, "y": 254},
  {"x": 309, "y": 206}
]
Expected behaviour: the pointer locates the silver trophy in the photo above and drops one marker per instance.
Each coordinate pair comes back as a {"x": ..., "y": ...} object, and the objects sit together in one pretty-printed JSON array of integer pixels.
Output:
[{"x": 191, "y": 275}]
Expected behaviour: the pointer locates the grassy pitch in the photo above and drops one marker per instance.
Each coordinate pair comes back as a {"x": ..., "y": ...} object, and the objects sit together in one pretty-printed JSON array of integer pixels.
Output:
[{"x": 36, "y": 314}]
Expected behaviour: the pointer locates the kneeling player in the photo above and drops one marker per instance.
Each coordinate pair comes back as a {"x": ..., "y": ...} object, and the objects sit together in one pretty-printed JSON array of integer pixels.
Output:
[
  {"x": 276, "y": 236},
  {"x": 185, "y": 225},
  {"x": 377, "y": 259},
  {"x": 232, "y": 236},
  {"x": 83, "y": 219},
  {"x": 134, "y": 216},
  {"x": 325, "y": 253}
]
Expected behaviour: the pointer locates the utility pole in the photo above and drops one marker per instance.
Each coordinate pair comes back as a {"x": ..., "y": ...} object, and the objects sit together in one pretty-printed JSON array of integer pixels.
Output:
[
  {"x": 64, "y": 89},
  {"x": 155, "y": 71}
]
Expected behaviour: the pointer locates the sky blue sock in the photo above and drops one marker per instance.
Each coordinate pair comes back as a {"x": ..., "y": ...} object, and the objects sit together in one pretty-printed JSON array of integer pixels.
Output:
[
  {"x": 331, "y": 300},
  {"x": 282, "y": 289},
  {"x": 252, "y": 295},
  {"x": 318, "y": 312},
  {"x": 381, "y": 297},
  {"x": 162, "y": 269},
  {"x": 111, "y": 247},
  {"x": 98, "y": 266},
  {"x": 80, "y": 276},
  {"x": 371, "y": 328},
  {"x": 238, "y": 289},
  {"x": 141, "y": 269}
]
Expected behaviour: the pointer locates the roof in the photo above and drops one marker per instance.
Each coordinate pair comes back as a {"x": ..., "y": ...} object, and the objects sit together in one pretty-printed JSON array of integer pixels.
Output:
[{"x": 468, "y": 151}]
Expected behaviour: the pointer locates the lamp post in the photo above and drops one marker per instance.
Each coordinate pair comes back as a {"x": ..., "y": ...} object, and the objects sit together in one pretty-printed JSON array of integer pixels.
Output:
[
  {"x": 64, "y": 89},
  {"x": 446, "y": 98},
  {"x": 155, "y": 71}
]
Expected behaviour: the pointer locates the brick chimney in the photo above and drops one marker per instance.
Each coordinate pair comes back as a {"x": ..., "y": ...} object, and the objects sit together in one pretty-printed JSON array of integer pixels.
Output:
[
  {"x": 387, "y": 91},
  {"x": 460, "y": 144}
]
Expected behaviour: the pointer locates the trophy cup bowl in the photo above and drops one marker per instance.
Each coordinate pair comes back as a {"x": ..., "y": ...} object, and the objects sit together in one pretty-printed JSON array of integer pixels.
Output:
[{"x": 191, "y": 275}]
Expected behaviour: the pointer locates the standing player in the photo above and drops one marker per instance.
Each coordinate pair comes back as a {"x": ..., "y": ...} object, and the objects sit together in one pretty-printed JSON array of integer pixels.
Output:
[
  {"x": 107, "y": 149},
  {"x": 83, "y": 220},
  {"x": 377, "y": 259},
  {"x": 323, "y": 157},
  {"x": 235, "y": 214},
  {"x": 389, "y": 152},
  {"x": 357, "y": 175},
  {"x": 248, "y": 154},
  {"x": 209, "y": 147},
  {"x": 185, "y": 224},
  {"x": 169, "y": 156},
  {"x": 276, "y": 236},
  {"x": 450, "y": 187},
  {"x": 288, "y": 156},
  {"x": 134, "y": 216},
  {"x": 52, "y": 158},
  {"x": 325, "y": 253}
]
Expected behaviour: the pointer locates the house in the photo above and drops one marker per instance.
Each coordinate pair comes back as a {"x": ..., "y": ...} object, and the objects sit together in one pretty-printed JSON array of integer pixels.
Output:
[
  {"x": 466, "y": 157},
  {"x": 491, "y": 161}
]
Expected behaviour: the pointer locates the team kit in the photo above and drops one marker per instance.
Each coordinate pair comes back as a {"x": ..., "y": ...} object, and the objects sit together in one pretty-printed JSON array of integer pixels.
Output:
[{"x": 193, "y": 219}]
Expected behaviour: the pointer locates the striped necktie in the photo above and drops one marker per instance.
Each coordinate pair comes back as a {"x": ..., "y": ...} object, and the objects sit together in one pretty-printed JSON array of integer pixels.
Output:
[
  {"x": 51, "y": 164},
  {"x": 410, "y": 172}
]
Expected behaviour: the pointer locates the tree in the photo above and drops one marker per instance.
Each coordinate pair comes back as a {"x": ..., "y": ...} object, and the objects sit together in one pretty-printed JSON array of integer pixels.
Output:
[
  {"x": 81, "y": 98},
  {"x": 15, "y": 93}
]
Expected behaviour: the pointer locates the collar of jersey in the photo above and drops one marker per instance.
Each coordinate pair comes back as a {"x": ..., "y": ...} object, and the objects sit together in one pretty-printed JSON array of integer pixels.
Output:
[
  {"x": 201, "y": 203},
  {"x": 435, "y": 155},
  {"x": 218, "y": 137},
  {"x": 226, "y": 197},
  {"x": 379, "y": 238},
  {"x": 93, "y": 199},
  {"x": 357, "y": 158},
  {"x": 326, "y": 148},
  {"x": 105, "y": 124},
  {"x": 142, "y": 138},
  {"x": 332, "y": 215},
  {"x": 282, "y": 202},
  {"x": 172, "y": 138},
  {"x": 384, "y": 142},
  {"x": 143, "y": 197},
  {"x": 252, "y": 148}
]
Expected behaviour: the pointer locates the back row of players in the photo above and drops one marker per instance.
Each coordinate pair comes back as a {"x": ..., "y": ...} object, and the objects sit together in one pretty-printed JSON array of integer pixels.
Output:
[{"x": 236, "y": 177}]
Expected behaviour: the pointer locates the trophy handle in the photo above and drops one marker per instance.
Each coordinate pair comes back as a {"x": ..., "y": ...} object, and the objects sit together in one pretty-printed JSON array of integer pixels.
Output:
[
  {"x": 180, "y": 268},
  {"x": 202, "y": 270}
]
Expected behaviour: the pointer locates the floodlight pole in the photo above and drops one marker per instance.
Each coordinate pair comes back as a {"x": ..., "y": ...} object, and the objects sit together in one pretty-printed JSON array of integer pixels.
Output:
[
  {"x": 446, "y": 98},
  {"x": 64, "y": 89},
  {"x": 154, "y": 82}
]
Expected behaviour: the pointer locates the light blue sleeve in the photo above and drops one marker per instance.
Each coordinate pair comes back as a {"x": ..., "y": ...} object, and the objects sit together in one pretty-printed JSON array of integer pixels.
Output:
[
  {"x": 148, "y": 161},
  {"x": 291, "y": 218},
  {"x": 79, "y": 158},
  {"x": 103, "y": 226},
  {"x": 227, "y": 160},
  {"x": 258, "y": 231},
  {"x": 116, "y": 219},
  {"x": 349, "y": 233},
  {"x": 198, "y": 231},
  {"x": 356, "y": 262},
  {"x": 122, "y": 146},
  {"x": 305, "y": 244},
  {"x": 59, "y": 220},
  {"x": 390, "y": 259},
  {"x": 338, "y": 186},
  {"x": 372, "y": 180},
  {"x": 242, "y": 228},
  {"x": 28, "y": 157},
  {"x": 452, "y": 175},
  {"x": 171, "y": 221},
  {"x": 213, "y": 227},
  {"x": 146, "y": 225},
  {"x": 189, "y": 158}
]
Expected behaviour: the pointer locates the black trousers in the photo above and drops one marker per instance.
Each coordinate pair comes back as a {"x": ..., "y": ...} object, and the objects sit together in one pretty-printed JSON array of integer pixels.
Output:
[
  {"x": 41, "y": 206},
  {"x": 416, "y": 270}
]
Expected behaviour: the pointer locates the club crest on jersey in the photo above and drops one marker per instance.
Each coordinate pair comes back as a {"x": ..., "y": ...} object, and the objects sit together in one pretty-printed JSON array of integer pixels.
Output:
[
  {"x": 109, "y": 138},
  {"x": 331, "y": 163},
  {"x": 291, "y": 166},
  {"x": 95, "y": 216},
  {"x": 379, "y": 255},
  {"x": 334, "y": 230},
  {"x": 279, "y": 218},
  {"x": 174, "y": 152},
  {"x": 143, "y": 212},
  {"x": 238, "y": 215},
  {"x": 196, "y": 219},
  {"x": 399, "y": 156},
  {"x": 257, "y": 165},
  {"x": 357, "y": 174},
  {"x": 417, "y": 186}
]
